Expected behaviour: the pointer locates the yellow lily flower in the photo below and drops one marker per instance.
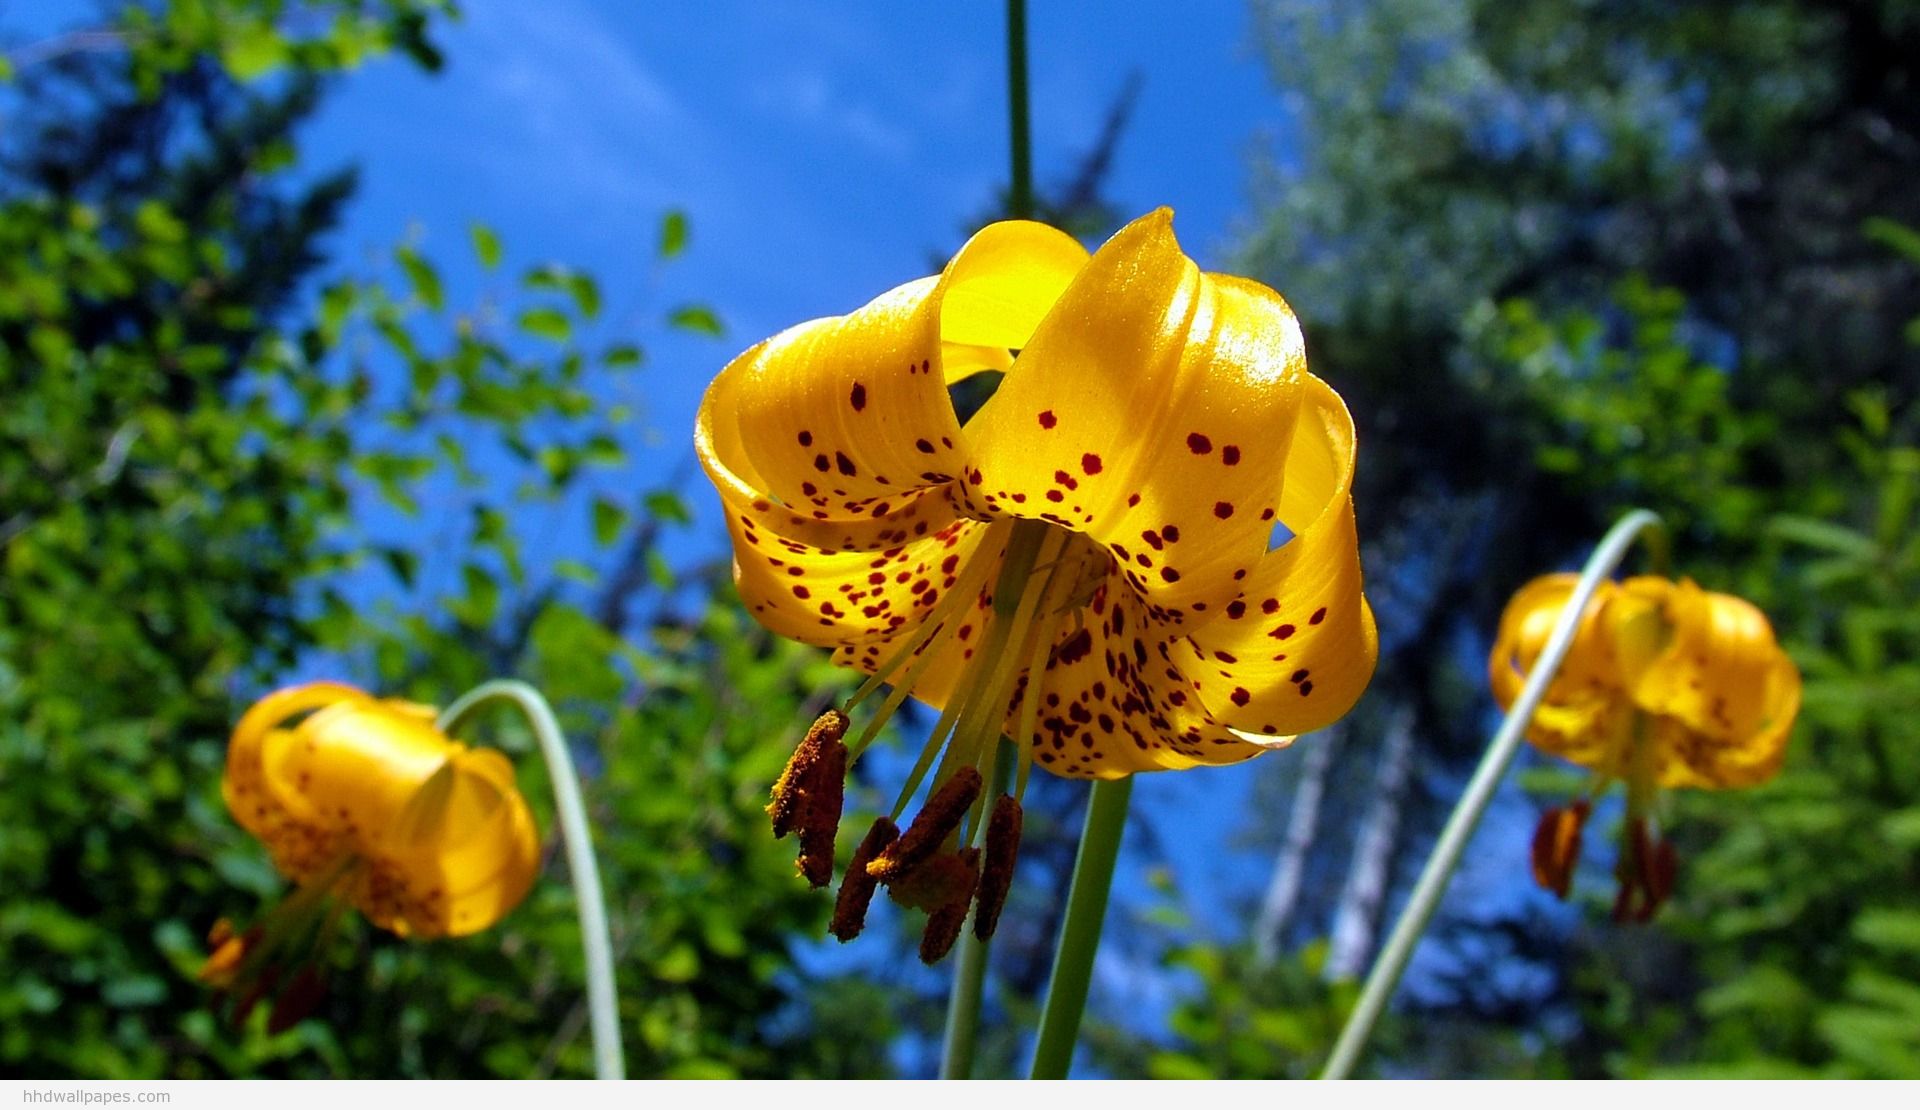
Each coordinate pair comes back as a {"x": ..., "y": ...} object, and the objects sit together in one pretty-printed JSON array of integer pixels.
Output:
[
  {"x": 1665, "y": 685},
  {"x": 1084, "y": 566},
  {"x": 361, "y": 801}
]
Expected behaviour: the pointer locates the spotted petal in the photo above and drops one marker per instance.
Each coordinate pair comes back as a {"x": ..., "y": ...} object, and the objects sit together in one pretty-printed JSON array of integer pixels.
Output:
[
  {"x": 1294, "y": 651},
  {"x": 1153, "y": 410}
]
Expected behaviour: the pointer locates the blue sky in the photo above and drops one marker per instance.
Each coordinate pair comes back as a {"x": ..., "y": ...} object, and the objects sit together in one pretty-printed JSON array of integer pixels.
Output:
[{"x": 824, "y": 151}]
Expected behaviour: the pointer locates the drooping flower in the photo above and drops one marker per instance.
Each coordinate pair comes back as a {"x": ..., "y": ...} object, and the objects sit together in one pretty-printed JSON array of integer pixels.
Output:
[
  {"x": 1665, "y": 685},
  {"x": 1086, "y": 565},
  {"x": 362, "y": 802}
]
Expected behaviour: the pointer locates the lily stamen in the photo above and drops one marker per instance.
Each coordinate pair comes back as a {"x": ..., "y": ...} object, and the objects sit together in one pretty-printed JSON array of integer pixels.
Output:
[
  {"x": 857, "y": 886},
  {"x": 936, "y": 821},
  {"x": 996, "y": 873}
]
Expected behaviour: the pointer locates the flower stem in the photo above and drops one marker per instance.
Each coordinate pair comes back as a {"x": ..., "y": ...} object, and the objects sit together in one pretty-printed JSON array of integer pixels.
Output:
[
  {"x": 1080, "y": 932},
  {"x": 970, "y": 970},
  {"x": 1020, "y": 188},
  {"x": 1425, "y": 898},
  {"x": 601, "y": 1007}
]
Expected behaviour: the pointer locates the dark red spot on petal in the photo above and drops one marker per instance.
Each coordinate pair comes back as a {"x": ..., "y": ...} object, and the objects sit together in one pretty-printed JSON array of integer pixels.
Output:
[
  {"x": 1090, "y": 463},
  {"x": 1047, "y": 419},
  {"x": 1223, "y": 509},
  {"x": 858, "y": 397},
  {"x": 806, "y": 439},
  {"x": 1230, "y": 455},
  {"x": 1199, "y": 444}
]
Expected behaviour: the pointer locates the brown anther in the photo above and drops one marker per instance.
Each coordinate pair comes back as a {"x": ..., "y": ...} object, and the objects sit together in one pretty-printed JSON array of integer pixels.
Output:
[
  {"x": 856, "y": 886},
  {"x": 802, "y": 770},
  {"x": 935, "y": 883},
  {"x": 1556, "y": 845},
  {"x": 996, "y": 874},
  {"x": 1645, "y": 871},
  {"x": 931, "y": 826},
  {"x": 946, "y": 920},
  {"x": 819, "y": 817}
]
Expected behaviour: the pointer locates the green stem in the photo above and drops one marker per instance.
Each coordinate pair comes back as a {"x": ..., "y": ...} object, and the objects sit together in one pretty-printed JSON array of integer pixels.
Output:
[
  {"x": 1020, "y": 189},
  {"x": 970, "y": 971},
  {"x": 1080, "y": 932},
  {"x": 601, "y": 1006},
  {"x": 1425, "y": 898}
]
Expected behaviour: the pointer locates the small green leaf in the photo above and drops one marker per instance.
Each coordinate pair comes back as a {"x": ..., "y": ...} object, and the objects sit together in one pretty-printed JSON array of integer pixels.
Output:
[
  {"x": 673, "y": 234},
  {"x": 486, "y": 245},
  {"x": 608, "y": 520},
  {"x": 698, "y": 319},
  {"x": 668, "y": 506},
  {"x": 622, "y": 355},
  {"x": 547, "y": 323}
]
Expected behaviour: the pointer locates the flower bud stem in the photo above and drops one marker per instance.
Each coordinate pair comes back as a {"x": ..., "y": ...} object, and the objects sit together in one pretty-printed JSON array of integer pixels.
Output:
[
  {"x": 602, "y": 1009},
  {"x": 1392, "y": 961}
]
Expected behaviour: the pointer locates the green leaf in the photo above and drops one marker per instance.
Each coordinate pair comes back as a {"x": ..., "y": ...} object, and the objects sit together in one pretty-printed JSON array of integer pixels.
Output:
[
  {"x": 421, "y": 275},
  {"x": 1898, "y": 930},
  {"x": 547, "y": 323},
  {"x": 673, "y": 234},
  {"x": 622, "y": 356},
  {"x": 486, "y": 245},
  {"x": 668, "y": 506},
  {"x": 698, "y": 319},
  {"x": 608, "y": 519}
]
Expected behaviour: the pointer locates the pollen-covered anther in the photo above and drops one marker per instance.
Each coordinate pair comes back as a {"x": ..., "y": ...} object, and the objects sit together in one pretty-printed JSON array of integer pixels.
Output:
[
  {"x": 931, "y": 826},
  {"x": 1556, "y": 845},
  {"x": 996, "y": 873},
  {"x": 857, "y": 886},
  {"x": 945, "y": 920},
  {"x": 802, "y": 771},
  {"x": 819, "y": 816}
]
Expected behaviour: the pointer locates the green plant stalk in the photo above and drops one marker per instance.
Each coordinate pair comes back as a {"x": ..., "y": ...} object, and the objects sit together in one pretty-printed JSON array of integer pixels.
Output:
[
  {"x": 1392, "y": 961},
  {"x": 1080, "y": 931},
  {"x": 1020, "y": 186},
  {"x": 970, "y": 970},
  {"x": 602, "y": 1008}
]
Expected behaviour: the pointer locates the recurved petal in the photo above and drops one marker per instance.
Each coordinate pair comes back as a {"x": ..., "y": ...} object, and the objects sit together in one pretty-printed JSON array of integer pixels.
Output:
[
  {"x": 1724, "y": 682},
  {"x": 838, "y": 413},
  {"x": 472, "y": 858},
  {"x": 859, "y": 597},
  {"x": 1589, "y": 670},
  {"x": 242, "y": 785},
  {"x": 1152, "y": 410},
  {"x": 1295, "y": 650},
  {"x": 353, "y": 767}
]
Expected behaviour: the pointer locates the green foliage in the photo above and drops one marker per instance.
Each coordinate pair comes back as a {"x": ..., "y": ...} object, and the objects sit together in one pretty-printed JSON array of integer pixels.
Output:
[{"x": 210, "y": 482}]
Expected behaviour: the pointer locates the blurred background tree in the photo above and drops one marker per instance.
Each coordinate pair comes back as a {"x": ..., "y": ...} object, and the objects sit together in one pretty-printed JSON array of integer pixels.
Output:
[
  {"x": 214, "y": 474},
  {"x": 1565, "y": 258}
]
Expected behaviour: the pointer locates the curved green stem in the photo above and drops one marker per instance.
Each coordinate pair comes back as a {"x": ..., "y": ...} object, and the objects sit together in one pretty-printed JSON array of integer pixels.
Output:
[
  {"x": 1425, "y": 898},
  {"x": 1080, "y": 931},
  {"x": 608, "y": 1061}
]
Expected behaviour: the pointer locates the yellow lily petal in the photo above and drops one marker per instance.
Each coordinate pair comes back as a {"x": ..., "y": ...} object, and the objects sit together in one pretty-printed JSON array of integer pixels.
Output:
[
  {"x": 1295, "y": 650},
  {"x": 1114, "y": 702},
  {"x": 352, "y": 767},
  {"x": 468, "y": 860},
  {"x": 243, "y": 786},
  {"x": 1152, "y": 410},
  {"x": 840, "y": 413}
]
